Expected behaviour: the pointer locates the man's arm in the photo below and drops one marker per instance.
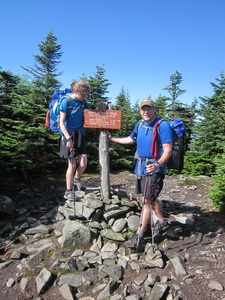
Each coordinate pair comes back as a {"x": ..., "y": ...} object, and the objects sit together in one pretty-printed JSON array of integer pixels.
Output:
[
  {"x": 62, "y": 119},
  {"x": 121, "y": 140},
  {"x": 62, "y": 125},
  {"x": 167, "y": 152}
]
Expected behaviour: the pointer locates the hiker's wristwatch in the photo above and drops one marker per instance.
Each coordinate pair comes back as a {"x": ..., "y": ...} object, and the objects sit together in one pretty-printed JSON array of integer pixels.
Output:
[
  {"x": 69, "y": 139},
  {"x": 159, "y": 165}
]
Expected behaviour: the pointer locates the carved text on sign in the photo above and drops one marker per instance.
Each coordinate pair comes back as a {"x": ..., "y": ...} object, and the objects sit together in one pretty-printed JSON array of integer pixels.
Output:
[{"x": 105, "y": 119}]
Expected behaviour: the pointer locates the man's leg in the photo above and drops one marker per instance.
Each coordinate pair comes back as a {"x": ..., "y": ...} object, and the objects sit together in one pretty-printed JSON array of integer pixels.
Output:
[
  {"x": 69, "y": 173},
  {"x": 150, "y": 190},
  {"x": 79, "y": 171},
  {"x": 69, "y": 194},
  {"x": 82, "y": 164}
]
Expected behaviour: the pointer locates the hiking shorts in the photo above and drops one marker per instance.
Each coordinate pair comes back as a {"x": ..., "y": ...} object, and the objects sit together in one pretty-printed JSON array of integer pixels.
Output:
[
  {"x": 79, "y": 146},
  {"x": 150, "y": 186}
]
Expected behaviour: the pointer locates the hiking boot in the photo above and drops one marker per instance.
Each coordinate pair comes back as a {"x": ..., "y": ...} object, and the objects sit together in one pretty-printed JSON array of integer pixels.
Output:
[
  {"x": 79, "y": 184},
  {"x": 160, "y": 226},
  {"x": 69, "y": 195},
  {"x": 135, "y": 242}
]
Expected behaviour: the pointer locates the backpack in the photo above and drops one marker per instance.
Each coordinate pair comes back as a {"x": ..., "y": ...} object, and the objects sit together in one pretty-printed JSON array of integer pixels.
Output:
[
  {"x": 175, "y": 162},
  {"x": 53, "y": 113}
]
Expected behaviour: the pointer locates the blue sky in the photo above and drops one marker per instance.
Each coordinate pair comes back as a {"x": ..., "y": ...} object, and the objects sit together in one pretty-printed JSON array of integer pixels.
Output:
[{"x": 141, "y": 43}]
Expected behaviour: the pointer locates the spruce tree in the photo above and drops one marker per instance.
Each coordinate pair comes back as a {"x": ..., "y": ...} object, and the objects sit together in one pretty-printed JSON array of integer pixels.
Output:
[
  {"x": 122, "y": 155},
  {"x": 99, "y": 87},
  {"x": 23, "y": 138},
  {"x": 209, "y": 135},
  {"x": 45, "y": 70},
  {"x": 161, "y": 106},
  {"x": 174, "y": 109}
]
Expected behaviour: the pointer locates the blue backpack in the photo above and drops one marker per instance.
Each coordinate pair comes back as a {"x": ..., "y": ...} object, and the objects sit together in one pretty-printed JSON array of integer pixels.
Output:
[
  {"x": 176, "y": 160},
  {"x": 53, "y": 113}
]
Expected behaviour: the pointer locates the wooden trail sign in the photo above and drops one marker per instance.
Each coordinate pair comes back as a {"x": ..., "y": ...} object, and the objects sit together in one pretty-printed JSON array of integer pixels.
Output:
[{"x": 102, "y": 119}]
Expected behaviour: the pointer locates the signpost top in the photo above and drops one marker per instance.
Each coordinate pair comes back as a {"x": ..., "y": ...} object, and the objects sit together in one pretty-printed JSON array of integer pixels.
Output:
[{"x": 102, "y": 119}]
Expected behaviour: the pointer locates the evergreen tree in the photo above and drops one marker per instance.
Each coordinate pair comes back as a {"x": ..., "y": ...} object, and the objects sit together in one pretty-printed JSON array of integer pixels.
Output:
[
  {"x": 122, "y": 155},
  {"x": 45, "y": 69},
  {"x": 21, "y": 134},
  {"x": 99, "y": 85},
  {"x": 136, "y": 111},
  {"x": 175, "y": 108},
  {"x": 174, "y": 87},
  {"x": 161, "y": 106},
  {"x": 217, "y": 191},
  {"x": 209, "y": 135}
]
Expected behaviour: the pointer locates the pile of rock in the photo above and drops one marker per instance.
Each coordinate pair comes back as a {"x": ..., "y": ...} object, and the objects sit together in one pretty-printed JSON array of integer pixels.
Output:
[{"x": 76, "y": 251}]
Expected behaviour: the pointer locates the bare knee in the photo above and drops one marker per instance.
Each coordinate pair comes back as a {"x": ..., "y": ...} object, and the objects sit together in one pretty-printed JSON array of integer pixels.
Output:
[{"x": 83, "y": 160}]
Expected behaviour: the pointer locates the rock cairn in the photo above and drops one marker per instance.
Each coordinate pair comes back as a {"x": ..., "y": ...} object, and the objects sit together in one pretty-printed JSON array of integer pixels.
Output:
[{"x": 75, "y": 249}]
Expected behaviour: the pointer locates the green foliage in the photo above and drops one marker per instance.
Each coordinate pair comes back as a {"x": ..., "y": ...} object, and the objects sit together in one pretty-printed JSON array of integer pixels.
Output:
[
  {"x": 45, "y": 69},
  {"x": 217, "y": 191},
  {"x": 209, "y": 132},
  {"x": 122, "y": 155},
  {"x": 99, "y": 85},
  {"x": 25, "y": 143},
  {"x": 161, "y": 106},
  {"x": 174, "y": 88}
]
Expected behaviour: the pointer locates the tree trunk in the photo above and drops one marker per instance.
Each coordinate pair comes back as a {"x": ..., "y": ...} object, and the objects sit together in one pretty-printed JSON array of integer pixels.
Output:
[{"x": 104, "y": 164}]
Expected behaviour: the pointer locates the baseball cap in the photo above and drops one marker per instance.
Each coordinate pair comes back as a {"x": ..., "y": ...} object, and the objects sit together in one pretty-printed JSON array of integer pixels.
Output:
[{"x": 148, "y": 102}]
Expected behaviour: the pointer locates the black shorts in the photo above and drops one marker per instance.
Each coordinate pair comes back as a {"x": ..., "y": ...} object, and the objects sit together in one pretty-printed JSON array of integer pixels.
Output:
[
  {"x": 150, "y": 185},
  {"x": 79, "y": 146}
]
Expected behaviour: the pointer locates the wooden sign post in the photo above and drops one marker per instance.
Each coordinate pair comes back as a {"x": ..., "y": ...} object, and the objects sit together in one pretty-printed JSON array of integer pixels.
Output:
[{"x": 103, "y": 119}]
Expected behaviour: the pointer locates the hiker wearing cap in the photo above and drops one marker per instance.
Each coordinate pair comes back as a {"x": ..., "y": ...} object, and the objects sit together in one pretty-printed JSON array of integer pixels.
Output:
[
  {"x": 150, "y": 167},
  {"x": 72, "y": 146}
]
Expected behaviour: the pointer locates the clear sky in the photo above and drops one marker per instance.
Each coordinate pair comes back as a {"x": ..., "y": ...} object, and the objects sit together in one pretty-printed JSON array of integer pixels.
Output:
[{"x": 141, "y": 43}]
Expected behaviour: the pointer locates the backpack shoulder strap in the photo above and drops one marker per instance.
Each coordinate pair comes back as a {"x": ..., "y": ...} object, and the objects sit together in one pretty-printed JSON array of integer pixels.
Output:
[
  {"x": 69, "y": 101},
  {"x": 83, "y": 104},
  {"x": 158, "y": 124},
  {"x": 140, "y": 124}
]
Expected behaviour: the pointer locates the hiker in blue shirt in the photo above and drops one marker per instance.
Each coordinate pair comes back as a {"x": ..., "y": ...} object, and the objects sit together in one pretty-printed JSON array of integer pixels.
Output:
[
  {"x": 150, "y": 167},
  {"x": 72, "y": 146}
]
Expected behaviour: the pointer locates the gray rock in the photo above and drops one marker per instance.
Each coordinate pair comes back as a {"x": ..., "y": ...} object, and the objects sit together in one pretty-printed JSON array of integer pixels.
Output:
[
  {"x": 68, "y": 292},
  {"x": 133, "y": 222},
  {"x": 43, "y": 280},
  {"x": 215, "y": 285},
  {"x": 74, "y": 280},
  {"x": 109, "y": 289},
  {"x": 114, "y": 272},
  {"x": 111, "y": 235},
  {"x": 158, "y": 291},
  {"x": 115, "y": 213},
  {"x": 43, "y": 229},
  {"x": 178, "y": 266},
  {"x": 75, "y": 233},
  {"x": 23, "y": 283},
  {"x": 140, "y": 279},
  {"x": 7, "y": 205},
  {"x": 40, "y": 245},
  {"x": 119, "y": 225}
]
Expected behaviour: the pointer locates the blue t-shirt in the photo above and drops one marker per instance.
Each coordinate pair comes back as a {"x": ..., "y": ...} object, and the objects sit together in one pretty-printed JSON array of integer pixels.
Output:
[
  {"x": 143, "y": 137},
  {"x": 74, "y": 115}
]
